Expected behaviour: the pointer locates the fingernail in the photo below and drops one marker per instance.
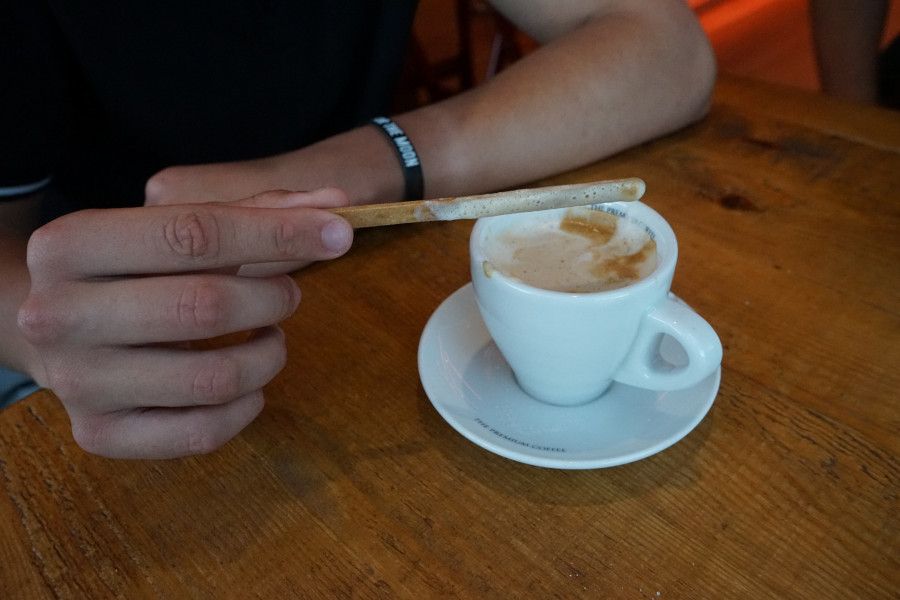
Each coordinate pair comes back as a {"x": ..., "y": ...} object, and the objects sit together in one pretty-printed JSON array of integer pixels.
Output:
[{"x": 337, "y": 235}]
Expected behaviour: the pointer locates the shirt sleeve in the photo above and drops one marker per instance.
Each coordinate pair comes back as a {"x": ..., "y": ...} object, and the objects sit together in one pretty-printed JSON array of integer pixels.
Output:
[{"x": 33, "y": 98}]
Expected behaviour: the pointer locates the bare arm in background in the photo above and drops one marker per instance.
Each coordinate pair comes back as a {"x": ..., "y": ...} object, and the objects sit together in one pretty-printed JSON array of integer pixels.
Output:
[
  {"x": 847, "y": 37},
  {"x": 611, "y": 74}
]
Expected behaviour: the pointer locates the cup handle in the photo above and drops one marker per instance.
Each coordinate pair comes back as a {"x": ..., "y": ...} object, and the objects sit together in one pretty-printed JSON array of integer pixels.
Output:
[{"x": 645, "y": 366}]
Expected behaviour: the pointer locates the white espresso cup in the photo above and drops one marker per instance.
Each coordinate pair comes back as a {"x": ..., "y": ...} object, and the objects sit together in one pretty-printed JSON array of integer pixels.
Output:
[{"x": 567, "y": 344}]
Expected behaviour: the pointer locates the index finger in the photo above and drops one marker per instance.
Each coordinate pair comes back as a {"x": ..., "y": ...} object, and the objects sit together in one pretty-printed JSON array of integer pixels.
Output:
[{"x": 187, "y": 237}]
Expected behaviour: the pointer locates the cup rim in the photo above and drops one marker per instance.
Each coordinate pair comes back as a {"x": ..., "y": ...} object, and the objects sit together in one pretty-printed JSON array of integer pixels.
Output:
[{"x": 661, "y": 229}]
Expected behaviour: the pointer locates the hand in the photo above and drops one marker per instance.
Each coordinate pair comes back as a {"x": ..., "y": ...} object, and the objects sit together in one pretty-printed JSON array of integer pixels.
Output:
[
  {"x": 218, "y": 182},
  {"x": 118, "y": 295},
  {"x": 225, "y": 182}
]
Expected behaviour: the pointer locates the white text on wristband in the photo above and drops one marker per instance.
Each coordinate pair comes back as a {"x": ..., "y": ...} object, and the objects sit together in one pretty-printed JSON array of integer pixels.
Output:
[{"x": 409, "y": 160}]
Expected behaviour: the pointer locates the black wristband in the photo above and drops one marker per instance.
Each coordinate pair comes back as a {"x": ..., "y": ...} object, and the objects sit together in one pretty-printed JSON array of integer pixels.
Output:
[{"x": 409, "y": 160}]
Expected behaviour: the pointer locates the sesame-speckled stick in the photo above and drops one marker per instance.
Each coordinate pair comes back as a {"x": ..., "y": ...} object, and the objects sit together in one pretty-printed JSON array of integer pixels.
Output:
[{"x": 489, "y": 205}]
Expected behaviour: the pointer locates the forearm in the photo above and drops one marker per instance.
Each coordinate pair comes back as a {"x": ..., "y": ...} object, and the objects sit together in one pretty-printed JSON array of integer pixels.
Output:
[
  {"x": 608, "y": 78},
  {"x": 614, "y": 82}
]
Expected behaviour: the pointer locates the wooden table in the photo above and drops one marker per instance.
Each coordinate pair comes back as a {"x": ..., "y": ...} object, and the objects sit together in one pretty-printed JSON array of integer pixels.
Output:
[{"x": 350, "y": 484}]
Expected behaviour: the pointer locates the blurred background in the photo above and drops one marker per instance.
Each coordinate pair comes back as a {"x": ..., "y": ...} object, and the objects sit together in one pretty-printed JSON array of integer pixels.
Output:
[{"x": 459, "y": 43}]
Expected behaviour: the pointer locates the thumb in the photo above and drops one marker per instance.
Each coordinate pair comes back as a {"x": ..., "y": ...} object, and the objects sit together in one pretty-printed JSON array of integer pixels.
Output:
[{"x": 328, "y": 197}]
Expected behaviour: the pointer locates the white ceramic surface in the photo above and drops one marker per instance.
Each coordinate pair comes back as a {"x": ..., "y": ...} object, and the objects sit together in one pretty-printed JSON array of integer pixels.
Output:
[
  {"x": 568, "y": 348},
  {"x": 472, "y": 387}
]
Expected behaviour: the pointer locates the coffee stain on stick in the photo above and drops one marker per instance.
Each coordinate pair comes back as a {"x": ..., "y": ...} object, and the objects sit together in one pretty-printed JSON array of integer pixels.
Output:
[
  {"x": 528, "y": 200},
  {"x": 487, "y": 205}
]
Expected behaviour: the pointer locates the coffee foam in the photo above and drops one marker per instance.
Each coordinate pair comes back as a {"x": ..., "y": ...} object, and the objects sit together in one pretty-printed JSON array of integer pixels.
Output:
[{"x": 588, "y": 251}]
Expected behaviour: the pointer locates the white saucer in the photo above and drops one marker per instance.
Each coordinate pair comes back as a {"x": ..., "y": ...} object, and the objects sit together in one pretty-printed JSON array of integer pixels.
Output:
[{"x": 472, "y": 387}]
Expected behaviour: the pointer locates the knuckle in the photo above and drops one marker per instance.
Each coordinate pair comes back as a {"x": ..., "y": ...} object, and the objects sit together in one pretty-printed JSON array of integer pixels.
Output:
[
  {"x": 217, "y": 381},
  {"x": 64, "y": 382},
  {"x": 200, "y": 439},
  {"x": 89, "y": 435},
  {"x": 72, "y": 380},
  {"x": 158, "y": 186},
  {"x": 286, "y": 240},
  {"x": 43, "y": 322},
  {"x": 193, "y": 235},
  {"x": 203, "y": 434},
  {"x": 290, "y": 297},
  {"x": 202, "y": 305},
  {"x": 49, "y": 245},
  {"x": 41, "y": 245}
]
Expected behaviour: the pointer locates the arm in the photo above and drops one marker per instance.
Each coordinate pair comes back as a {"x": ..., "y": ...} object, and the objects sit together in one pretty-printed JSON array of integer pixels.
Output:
[
  {"x": 611, "y": 74},
  {"x": 847, "y": 37}
]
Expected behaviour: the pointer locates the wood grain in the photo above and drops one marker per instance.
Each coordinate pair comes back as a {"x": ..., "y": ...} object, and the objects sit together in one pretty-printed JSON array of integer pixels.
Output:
[{"x": 350, "y": 485}]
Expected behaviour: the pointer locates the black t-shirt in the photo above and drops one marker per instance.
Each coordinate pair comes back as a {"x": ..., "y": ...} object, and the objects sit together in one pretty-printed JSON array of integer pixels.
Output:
[{"x": 100, "y": 95}]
